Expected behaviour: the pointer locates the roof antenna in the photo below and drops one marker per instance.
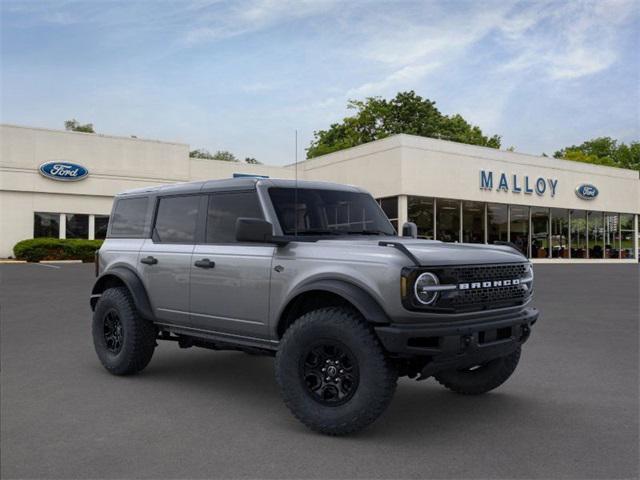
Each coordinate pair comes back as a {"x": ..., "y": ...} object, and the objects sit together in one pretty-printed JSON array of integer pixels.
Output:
[{"x": 295, "y": 195}]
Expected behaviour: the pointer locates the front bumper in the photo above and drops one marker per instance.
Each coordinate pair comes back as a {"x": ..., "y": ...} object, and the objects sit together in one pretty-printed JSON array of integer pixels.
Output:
[{"x": 459, "y": 344}]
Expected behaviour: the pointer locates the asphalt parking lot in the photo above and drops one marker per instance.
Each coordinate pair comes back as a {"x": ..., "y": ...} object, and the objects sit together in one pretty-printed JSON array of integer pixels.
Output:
[{"x": 570, "y": 411}]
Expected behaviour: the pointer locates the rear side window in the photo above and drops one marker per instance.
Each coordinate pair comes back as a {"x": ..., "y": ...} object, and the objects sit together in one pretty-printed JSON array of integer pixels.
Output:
[
  {"x": 129, "y": 217},
  {"x": 224, "y": 210},
  {"x": 176, "y": 219}
]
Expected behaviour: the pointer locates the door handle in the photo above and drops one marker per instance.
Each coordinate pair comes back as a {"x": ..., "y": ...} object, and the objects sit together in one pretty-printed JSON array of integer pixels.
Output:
[
  {"x": 149, "y": 260},
  {"x": 205, "y": 263}
]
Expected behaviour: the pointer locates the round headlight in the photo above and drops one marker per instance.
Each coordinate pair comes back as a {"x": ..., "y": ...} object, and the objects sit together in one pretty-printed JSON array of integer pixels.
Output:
[{"x": 423, "y": 293}]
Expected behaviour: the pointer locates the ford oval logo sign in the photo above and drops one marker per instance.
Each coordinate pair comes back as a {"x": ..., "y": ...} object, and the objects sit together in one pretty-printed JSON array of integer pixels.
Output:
[
  {"x": 586, "y": 191},
  {"x": 63, "y": 171}
]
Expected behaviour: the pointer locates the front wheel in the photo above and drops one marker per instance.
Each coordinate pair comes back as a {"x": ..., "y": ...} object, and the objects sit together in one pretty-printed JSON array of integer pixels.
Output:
[
  {"x": 480, "y": 378},
  {"x": 333, "y": 373}
]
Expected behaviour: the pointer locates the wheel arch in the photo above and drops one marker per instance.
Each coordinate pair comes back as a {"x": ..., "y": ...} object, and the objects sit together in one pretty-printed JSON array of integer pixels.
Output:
[
  {"x": 328, "y": 292},
  {"x": 123, "y": 277}
]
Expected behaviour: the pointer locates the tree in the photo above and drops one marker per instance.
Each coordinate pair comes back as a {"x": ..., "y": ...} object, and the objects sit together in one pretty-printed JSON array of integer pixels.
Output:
[
  {"x": 219, "y": 155},
  {"x": 377, "y": 118},
  {"x": 604, "y": 151},
  {"x": 225, "y": 156},
  {"x": 201, "y": 153},
  {"x": 252, "y": 161},
  {"x": 75, "y": 126}
]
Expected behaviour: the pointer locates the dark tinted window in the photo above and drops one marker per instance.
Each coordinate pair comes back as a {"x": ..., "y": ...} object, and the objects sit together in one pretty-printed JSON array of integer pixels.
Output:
[
  {"x": 129, "y": 217},
  {"x": 176, "y": 219},
  {"x": 77, "y": 226},
  {"x": 46, "y": 225},
  {"x": 328, "y": 212},
  {"x": 224, "y": 210}
]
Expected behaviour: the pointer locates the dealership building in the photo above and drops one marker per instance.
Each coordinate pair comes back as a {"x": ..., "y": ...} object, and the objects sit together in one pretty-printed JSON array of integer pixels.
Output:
[{"x": 61, "y": 184}]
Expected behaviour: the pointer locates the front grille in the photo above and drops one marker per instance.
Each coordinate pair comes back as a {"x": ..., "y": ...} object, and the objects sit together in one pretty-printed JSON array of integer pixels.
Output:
[
  {"x": 486, "y": 297},
  {"x": 490, "y": 272}
]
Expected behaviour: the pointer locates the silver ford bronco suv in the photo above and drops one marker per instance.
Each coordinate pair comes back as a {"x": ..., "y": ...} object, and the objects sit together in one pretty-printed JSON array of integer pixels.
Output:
[{"x": 314, "y": 274}]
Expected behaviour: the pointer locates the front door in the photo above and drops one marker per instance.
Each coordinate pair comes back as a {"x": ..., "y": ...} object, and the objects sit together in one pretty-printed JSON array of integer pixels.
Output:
[
  {"x": 166, "y": 258},
  {"x": 230, "y": 280}
]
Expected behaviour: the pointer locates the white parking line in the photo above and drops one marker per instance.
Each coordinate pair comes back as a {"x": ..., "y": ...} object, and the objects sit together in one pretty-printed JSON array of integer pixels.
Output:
[{"x": 46, "y": 265}]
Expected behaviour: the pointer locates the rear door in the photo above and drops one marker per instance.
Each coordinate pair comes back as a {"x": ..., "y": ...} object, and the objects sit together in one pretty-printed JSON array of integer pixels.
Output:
[
  {"x": 230, "y": 280},
  {"x": 165, "y": 259}
]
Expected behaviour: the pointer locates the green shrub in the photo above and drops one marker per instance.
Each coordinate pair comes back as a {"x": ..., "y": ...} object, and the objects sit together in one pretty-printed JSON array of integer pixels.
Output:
[{"x": 36, "y": 249}]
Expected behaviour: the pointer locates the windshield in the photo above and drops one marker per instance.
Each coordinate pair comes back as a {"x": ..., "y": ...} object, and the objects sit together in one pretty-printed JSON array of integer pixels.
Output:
[{"x": 328, "y": 212}]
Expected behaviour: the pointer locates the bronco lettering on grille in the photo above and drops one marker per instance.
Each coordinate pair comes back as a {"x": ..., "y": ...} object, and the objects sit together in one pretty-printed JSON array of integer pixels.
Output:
[{"x": 488, "y": 284}]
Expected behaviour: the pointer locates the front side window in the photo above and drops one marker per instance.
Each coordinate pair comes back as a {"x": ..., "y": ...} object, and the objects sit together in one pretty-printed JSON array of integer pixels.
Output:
[
  {"x": 46, "y": 225},
  {"x": 328, "y": 212},
  {"x": 129, "y": 217},
  {"x": 224, "y": 209},
  {"x": 176, "y": 219}
]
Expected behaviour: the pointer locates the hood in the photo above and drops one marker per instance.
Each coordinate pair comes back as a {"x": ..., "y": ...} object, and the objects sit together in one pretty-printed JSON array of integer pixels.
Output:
[{"x": 432, "y": 253}]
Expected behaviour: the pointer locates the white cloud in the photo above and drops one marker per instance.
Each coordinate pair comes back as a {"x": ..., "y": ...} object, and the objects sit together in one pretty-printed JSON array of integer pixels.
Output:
[{"x": 400, "y": 79}]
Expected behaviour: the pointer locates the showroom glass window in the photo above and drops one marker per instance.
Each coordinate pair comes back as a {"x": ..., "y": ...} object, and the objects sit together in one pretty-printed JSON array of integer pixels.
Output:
[
  {"x": 611, "y": 235},
  {"x": 497, "y": 222},
  {"x": 539, "y": 232},
  {"x": 46, "y": 225},
  {"x": 389, "y": 206},
  {"x": 101, "y": 222},
  {"x": 448, "y": 220},
  {"x": 223, "y": 212},
  {"x": 626, "y": 235},
  {"x": 176, "y": 219},
  {"x": 473, "y": 222},
  {"x": 77, "y": 226},
  {"x": 596, "y": 234},
  {"x": 559, "y": 233},
  {"x": 520, "y": 228},
  {"x": 420, "y": 212},
  {"x": 578, "y": 234}
]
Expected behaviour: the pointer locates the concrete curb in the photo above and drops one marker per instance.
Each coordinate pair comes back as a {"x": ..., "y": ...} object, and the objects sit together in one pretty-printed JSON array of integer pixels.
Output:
[{"x": 9, "y": 261}]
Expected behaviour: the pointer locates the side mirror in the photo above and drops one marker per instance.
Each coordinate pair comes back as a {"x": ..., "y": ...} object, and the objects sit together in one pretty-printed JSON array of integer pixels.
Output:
[
  {"x": 256, "y": 230},
  {"x": 410, "y": 229}
]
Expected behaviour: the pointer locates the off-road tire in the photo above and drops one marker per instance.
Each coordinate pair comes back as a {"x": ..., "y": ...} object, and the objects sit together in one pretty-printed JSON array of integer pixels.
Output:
[
  {"x": 138, "y": 335},
  {"x": 482, "y": 379},
  {"x": 377, "y": 376}
]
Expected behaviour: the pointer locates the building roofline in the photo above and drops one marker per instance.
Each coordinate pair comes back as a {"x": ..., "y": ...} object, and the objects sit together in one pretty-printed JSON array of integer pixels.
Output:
[
  {"x": 117, "y": 137},
  {"x": 477, "y": 151}
]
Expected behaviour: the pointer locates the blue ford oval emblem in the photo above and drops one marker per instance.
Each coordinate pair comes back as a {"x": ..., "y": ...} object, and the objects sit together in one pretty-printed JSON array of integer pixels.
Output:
[
  {"x": 63, "y": 171},
  {"x": 586, "y": 191}
]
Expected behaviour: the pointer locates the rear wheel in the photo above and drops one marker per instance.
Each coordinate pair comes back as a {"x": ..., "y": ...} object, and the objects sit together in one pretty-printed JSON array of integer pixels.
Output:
[
  {"x": 333, "y": 373},
  {"x": 123, "y": 340},
  {"x": 480, "y": 378}
]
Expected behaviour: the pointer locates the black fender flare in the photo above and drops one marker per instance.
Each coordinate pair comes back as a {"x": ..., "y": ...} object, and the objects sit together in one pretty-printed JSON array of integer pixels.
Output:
[
  {"x": 132, "y": 281},
  {"x": 357, "y": 296}
]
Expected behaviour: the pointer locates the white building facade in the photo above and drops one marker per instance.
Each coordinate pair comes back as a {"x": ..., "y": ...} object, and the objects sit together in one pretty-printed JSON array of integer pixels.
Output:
[{"x": 61, "y": 184}]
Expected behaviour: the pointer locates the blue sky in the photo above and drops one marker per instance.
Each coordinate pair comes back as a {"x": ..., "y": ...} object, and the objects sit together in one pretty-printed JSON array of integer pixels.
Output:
[{"x": 242, "y": 76}]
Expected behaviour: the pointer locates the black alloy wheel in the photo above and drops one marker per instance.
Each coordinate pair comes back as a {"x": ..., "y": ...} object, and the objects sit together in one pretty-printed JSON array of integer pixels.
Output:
[
  {"x": 330, "y": 373},
  {"x": 113, "y": 333}
]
